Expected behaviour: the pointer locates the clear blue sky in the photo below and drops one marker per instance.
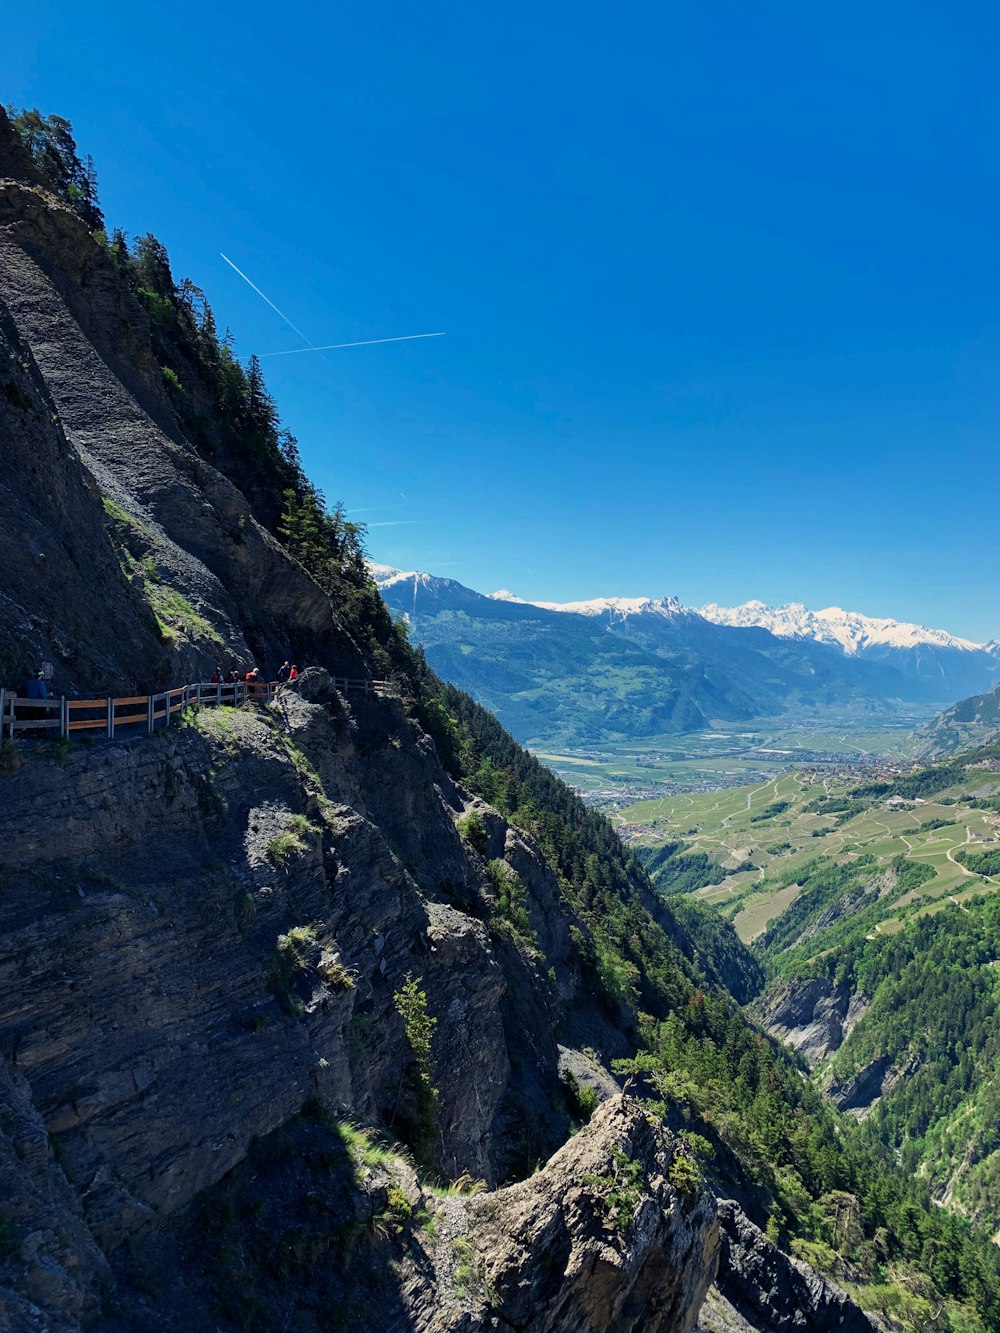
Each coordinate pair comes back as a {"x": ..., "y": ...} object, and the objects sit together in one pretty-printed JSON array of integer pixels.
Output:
[{"x": 720, "y": 281}]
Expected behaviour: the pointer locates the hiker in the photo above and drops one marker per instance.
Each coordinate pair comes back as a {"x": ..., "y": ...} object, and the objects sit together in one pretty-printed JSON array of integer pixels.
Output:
[
  {"x": 283, "y": 672},
  {"x": 252, "y": 676},
  {"x": 293, "y": 675},
  {"x": 35, "y": 688},
  {"x": 233, "y": 676},
  {"x": 217, "y": 676}
]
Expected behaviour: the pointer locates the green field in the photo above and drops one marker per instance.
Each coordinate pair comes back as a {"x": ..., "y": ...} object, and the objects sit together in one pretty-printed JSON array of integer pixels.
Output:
[
  {"x": 621, "y": 774},
  {"x": 721, "y": 824}
]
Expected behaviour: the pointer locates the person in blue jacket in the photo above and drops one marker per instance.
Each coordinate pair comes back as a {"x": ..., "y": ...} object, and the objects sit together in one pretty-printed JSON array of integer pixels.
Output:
[{"x": 35, "y": 687}]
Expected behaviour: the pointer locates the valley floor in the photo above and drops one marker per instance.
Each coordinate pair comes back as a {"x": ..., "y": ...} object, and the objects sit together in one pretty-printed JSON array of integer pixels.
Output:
[
  {"x": 613, "y": 776},
  {"x": 770, "y": 826}
]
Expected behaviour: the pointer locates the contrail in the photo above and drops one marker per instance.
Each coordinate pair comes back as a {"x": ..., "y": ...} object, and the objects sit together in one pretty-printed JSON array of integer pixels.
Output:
[
  {"x": 331, "y": 347},
  {"x": 310, "y": 347}
]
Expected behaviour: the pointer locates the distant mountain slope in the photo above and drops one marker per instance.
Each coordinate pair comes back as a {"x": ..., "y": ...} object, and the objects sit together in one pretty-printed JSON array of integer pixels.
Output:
[
  {"x": 970, "y": 722},
  {"x": 620, "y": 667},
  {"x": 953, "y": 664}
]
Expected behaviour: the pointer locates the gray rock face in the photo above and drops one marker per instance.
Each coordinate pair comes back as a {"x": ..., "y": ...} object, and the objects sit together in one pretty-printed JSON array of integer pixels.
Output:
[
  {"x": 553, "y": 1257},
  {"x": 859, "y": 1093},
  {"x": 203, "y": 929},
  {"x": 761, "y": 1288},
  {"x": 62, "y": 1269},
  {"x": 813, "y": 1016}
]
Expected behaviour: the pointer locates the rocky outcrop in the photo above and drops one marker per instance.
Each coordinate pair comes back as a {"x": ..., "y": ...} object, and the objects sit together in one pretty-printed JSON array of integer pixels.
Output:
[
  {"x": 598, "y": 1239},
  {"x": 43, "y": 1237},
  {"x": 761, "y": 1290},
  {"x": 814, "y": 1017},
  {"x": 857, "y": 1093}
]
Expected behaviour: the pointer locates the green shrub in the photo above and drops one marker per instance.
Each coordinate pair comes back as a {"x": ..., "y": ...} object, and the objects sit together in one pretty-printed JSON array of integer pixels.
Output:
[
  {"x": 472, "y": 831},
  {"x": 411, "y": 1005},
  {"x": 581, "y": 1100}
]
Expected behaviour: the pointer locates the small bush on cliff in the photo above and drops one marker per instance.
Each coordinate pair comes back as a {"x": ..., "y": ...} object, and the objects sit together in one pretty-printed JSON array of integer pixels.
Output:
[
  {"x": 472, "y": 831},
  {"x": 291, "y": 842},
  {"x": 411, "y": 1005},
  {"x": 684, "y": 1174},
  {"x": 581, "y": 1101},
  {"x": 510, "y": 914},
  {"x": 618, "y": 1194}
]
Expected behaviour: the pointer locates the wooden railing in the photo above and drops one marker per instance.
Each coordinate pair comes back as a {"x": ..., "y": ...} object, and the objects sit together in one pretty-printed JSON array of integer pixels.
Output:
[{"x": 62, "y": 716}]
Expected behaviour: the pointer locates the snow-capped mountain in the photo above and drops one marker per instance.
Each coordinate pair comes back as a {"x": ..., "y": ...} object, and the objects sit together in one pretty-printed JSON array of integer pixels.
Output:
[
  {"x": 649, "y": 665},
  {"x": 615, "y": 607},
  {"x": 850, "y": 630}
]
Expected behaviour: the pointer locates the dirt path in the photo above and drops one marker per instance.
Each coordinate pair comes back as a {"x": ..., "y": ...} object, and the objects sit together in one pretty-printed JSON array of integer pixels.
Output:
[{"x": 950, "y": 856}]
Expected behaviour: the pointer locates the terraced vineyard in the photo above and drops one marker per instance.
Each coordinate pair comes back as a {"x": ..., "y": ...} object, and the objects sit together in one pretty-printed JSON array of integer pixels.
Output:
[
  {"x": 874, "y": 928},
  {"x": 773, "y": 829}
]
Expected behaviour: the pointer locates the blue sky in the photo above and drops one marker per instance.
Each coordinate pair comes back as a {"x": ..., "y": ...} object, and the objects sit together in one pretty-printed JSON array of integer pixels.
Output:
[{"x": 719, "y": 282}]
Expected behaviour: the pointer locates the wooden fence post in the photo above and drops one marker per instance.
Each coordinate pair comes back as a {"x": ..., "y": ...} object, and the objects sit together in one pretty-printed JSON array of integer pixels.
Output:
[
  {"x": 111, "y": 719},
  {"x": 149, "y": 715},
  {"x": 63, "y": 717}
]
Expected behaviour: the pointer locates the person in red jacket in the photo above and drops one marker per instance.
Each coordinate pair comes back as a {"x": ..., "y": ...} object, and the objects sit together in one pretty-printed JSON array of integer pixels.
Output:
[{"x": 293, "y": 675}]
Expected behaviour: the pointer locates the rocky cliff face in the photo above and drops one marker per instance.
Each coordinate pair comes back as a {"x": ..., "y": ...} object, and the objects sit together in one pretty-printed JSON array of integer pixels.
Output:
[
  {"x": 760, "y": 1289},
  {"x": 813, "y": 1016}
]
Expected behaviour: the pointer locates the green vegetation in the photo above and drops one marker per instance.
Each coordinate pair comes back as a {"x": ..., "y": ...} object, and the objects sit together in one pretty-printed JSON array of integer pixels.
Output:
[
  {"x": 174, "y": 613},
  {"x": 473, "y": 832},
  {"x": 290, "y": 842},
  {"x": 771, "y": 811},
  {"x": 291, "y": 959},
  {"x": 581, "y": 1100},
  {"x": 980, "y": 863},
  {"x": 617, "y": 1196},
  {"x": 411, "y": 1005},
  {"x": 282, "y": 847},
  {"x": 935, "y": 1016},
  {"x": 673, "y": 873},
  {"x": 697, "y": 1052},
  {"x": 510, "y": 915},
  {"x": 49, "y": 142},
  {"x": 834, "y": 904}
]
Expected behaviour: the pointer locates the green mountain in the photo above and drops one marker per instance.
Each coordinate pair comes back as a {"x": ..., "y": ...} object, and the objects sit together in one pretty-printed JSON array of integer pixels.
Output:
[
  {"x": 968, "y": 723},
  {"x": 558, "y": 678}
]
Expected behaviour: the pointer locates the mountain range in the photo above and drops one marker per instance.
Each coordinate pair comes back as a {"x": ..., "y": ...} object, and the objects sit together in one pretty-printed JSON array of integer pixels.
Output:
[{"x": 619, "y": 667}]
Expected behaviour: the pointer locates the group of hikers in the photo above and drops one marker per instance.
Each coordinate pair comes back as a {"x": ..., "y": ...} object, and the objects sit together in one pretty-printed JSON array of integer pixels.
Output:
[
  {"x": 288, "y": 674},
  {"x": 36, "y": 688}
]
